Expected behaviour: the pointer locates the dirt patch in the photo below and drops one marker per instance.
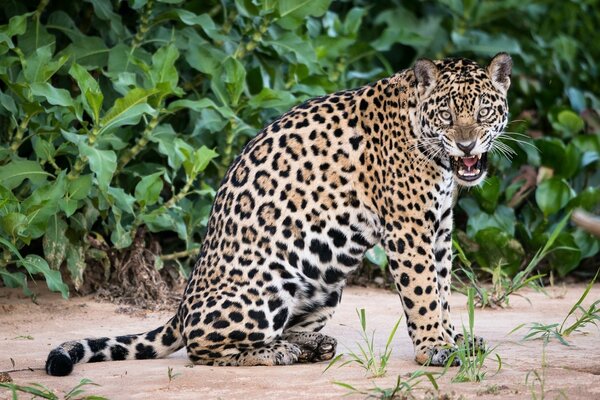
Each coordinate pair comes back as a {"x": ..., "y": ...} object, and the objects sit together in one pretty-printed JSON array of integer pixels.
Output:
[
  {"x": 133, "y": 279},
  {"x": 28, "y": 331}
]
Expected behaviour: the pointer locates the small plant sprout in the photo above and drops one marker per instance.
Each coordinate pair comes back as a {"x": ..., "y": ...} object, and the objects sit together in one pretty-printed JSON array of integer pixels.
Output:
[
  {"x": 172, "y": 375},
  {"x": 535, "y": 380},
  {"x": 374, "y": 365},
  {"x": 472, "y": 357},
  {"x": 402, "y": 389},
  {"x": 561, "y": 331},
  {"x": 41, "y": 391}
]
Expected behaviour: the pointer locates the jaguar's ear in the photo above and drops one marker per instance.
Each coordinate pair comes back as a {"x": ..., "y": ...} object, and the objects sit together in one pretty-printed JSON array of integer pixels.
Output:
[
  {"x": 427, "y": 74},
  {"x": 499, "y": 70}
]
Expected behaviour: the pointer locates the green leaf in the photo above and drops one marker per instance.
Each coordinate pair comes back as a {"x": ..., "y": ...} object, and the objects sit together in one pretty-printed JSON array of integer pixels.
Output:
[
  {"x": 55, "y": 241},
  {"x": 121, "y": 200},
  {"x": 43, "y": 203},
  {"x": 76, "y": 264},
  {"x": 377, "y": 256},
  {"x": 37, "y": 265},
  {"x": 15, "y": 224},
  {"x": 147, "y": 191},
  {"x": 54, "y": 96},
  {"x": 40, "y": 67},
  {"x": 16, "y": 171},
  {"x": 102, "y": 162},
  {"x": 79, "y": 188},
  {"x": 92, "y": 96},
  {"x": 588, "y": 245},
  {"x": 44, "y": 150},
  {"x": 120, "y": 237},
  {"x": 234, "y": 77},
  {"x": 127, "y": 110},
  {"x": 197, "y": 161},
  {"x": 502, "y": 218},
  {"x": 488, "y": 194},
  {"x": 565, "y": 255},
  {"x": 294, "y": 12},
  {"x": 163, "y": 68},
  {"x": 570, "y": 122},
  {"x": 552, "y": 195}
]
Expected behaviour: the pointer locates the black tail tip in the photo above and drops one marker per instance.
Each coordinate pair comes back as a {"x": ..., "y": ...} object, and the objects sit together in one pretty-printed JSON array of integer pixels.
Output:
[{"x": 59, "y": 363}]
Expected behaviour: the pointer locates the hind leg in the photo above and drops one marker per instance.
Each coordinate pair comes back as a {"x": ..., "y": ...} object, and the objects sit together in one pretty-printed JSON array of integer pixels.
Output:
[
  {"x": 314, "y": 346},
  {"x": 279, "y": 352}
]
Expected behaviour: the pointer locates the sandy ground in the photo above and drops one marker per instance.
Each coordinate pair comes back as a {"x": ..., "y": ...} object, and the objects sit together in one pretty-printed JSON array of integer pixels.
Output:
[{"x": 28, "y": 331}]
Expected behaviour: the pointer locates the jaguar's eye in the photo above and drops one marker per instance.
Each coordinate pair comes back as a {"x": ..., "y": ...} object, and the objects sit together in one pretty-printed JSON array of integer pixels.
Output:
[
  {"x": 445, "y": 116},
  {"x": 484, "y": 112}
]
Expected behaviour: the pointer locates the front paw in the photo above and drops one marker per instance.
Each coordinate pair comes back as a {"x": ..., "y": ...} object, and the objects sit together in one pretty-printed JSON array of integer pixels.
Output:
[
  {"x": 437, "y": 356},
  {"x": 476, "y": 344}
]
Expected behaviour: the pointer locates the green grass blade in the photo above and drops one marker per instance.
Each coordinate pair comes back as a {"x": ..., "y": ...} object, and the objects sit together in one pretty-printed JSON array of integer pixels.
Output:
[{"x": 578, "y": 303}]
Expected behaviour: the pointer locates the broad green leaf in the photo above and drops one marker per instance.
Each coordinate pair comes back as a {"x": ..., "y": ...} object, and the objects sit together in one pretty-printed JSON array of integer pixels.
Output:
[
  {"x": 204, "y": 58},
  {"x": 15, "y": 224},
  {"x": 198, "y": 160},
  {"x": 102, "y": 162},
  {"x": 15, "y": 280},
  {"x": 294, "y": 12},
  {"x": 127, "y": 110},
  {"x": 147, "y": 191},
  {"x": 44, "y": 150},
  {"x": 294, "y": 49},
  {"x": 553, "y": 194},
  {"x": 234, "y": 78},
  {"x": 120, "y": 237},
  {"x": 565, "y": 255},
  {"x": 37, "y": 265},
  {"x": 43, "y": 203},
  {"x": 54, "y": 96},
  {"x": 502, "y": 218},
  {"x": 16, "y": 171},
  {"x": 90, "y": 89},
  {"x": 55, "y": 241},
  {"x": 76, "y": 264},
  {"x": 488, "y": 194},
  {"x": 17, "y": 25},
  {"x": 104, "y": 10},
  {"x": 121, "y": 200},
  {"x": 163, "y": 67},
  {"x": 588, "y": 245},
  {"x": 79, "y": 188},
  {"x": 40, "y": 67},
  {"x": 377, "y": 256},
  {"x": 570, "y": 122}
]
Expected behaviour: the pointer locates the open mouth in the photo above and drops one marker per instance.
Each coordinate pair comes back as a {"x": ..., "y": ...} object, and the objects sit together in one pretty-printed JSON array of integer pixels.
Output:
[{"x": 469, "y": 168}]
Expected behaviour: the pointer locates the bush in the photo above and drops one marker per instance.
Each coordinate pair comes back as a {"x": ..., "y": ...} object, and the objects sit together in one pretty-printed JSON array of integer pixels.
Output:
[{"x": 123, "y": 115}]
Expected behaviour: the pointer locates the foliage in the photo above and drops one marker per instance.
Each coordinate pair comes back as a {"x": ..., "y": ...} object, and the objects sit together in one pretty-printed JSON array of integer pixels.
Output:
[
  {"x": 40, "y": 391},
  {"x": 375, "y": 365},
  {"x": 120, "y": 114},
  {"x": 472, "y": 357},
  {"x": 587, "y": 316},
  {"x": 504, "y": 286}
]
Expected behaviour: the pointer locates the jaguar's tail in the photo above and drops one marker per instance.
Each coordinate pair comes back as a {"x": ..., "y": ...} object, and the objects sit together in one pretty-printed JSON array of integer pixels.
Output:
[{"x": 157, "y": 343}]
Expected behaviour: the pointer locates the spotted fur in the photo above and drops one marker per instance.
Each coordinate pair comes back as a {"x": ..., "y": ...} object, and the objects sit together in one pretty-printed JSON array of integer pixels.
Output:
[{"x": 308, "y": 196}]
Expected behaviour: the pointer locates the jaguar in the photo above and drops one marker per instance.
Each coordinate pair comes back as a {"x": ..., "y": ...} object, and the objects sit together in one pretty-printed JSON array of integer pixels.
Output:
[{"x": 304, "y": 201}]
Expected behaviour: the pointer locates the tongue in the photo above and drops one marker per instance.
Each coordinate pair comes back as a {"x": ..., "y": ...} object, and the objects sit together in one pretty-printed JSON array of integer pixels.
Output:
[{"x": 469, "y": 161}]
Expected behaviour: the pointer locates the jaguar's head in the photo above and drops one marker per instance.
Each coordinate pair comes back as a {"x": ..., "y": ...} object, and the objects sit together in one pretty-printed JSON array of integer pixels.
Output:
[{"x": 462, "y": 109}]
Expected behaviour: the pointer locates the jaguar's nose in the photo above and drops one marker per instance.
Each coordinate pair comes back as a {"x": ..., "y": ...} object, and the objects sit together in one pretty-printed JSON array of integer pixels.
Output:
[{"x": 466, "y": 147}]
